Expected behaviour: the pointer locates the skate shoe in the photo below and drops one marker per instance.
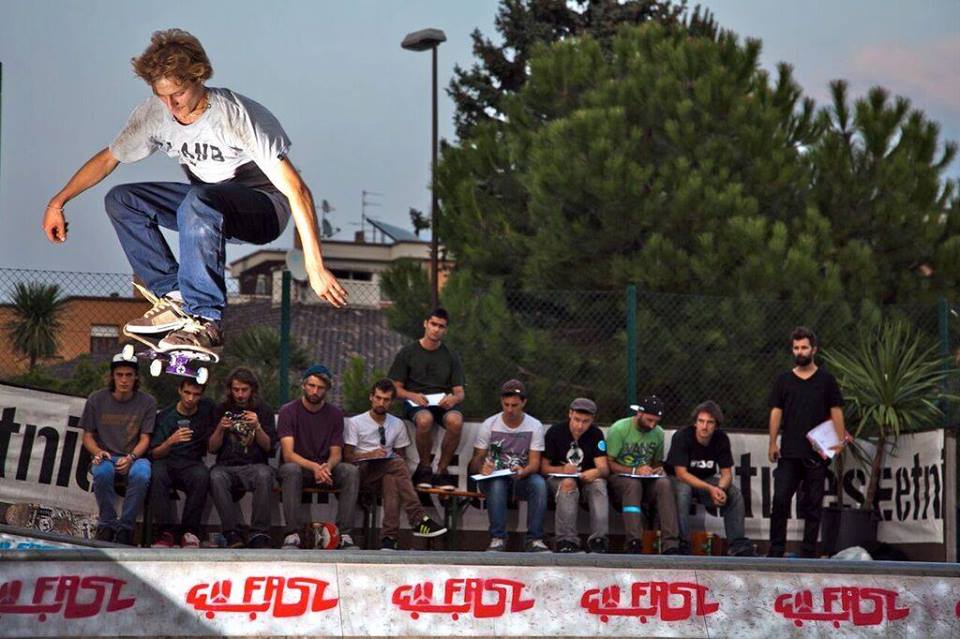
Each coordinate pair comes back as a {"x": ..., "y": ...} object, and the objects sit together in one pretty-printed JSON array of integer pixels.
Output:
[{"x": 165, "y": 315}]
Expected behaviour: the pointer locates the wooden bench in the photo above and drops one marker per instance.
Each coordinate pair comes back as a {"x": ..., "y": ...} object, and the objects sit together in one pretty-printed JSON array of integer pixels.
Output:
[{"x": 453, "y": 503}]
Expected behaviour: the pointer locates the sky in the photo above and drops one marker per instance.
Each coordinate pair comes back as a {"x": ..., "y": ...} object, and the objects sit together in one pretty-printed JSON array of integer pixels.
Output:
[{"x": 356, "y": 105}]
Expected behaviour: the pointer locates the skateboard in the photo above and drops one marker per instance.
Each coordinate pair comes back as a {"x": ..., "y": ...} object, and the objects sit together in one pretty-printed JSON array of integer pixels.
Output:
[
  {"x": 182, "y": 362},
  {"x": 52, "y": 519}
]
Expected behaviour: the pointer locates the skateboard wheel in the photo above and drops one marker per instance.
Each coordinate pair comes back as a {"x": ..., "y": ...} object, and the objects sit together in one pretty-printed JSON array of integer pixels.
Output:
[
  {"x": 156, "y": 367},
  {"x": 202, "y": 375},
  {"x": 127, "y": 351}
]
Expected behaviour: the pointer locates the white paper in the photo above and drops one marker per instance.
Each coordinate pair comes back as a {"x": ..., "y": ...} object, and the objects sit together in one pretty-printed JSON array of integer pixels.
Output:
[
  {"x": 433, "y": 399},
  {"x": 823, "y": 438},
  {"x": 497, "y": 473},
  {"x": 563, "y": 475},
  {"x": 636, "y": 476}
]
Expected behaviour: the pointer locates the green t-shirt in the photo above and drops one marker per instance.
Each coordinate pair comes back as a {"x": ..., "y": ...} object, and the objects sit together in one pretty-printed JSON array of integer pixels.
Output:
[
  {"x": 629, "y": 446},
  {"x": 423, "y": 371}
]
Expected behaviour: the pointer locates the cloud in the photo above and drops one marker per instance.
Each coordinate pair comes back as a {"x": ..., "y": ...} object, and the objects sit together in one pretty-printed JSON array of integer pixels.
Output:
[{"x": 928, "y": 74}]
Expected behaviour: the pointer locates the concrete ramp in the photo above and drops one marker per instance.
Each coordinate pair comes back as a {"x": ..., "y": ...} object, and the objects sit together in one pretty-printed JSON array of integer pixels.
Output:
[{"x": 136, "y": 592}]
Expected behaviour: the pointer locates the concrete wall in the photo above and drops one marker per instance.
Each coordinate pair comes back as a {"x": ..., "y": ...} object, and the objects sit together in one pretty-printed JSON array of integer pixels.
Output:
[{"x": 70, "y": 593}]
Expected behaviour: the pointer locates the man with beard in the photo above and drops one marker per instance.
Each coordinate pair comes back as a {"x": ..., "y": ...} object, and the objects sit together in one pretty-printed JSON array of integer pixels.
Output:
[
  {"x": 177, "y": 448},
  {"x": 244, "y": 441},
  {"x": 117, "y": 422},
  {"x": 635, "y": 450},
  {"x": 802, "y": 399},
  {"x": 375, "y": 441},
  {"x": 311, "y": 441}
]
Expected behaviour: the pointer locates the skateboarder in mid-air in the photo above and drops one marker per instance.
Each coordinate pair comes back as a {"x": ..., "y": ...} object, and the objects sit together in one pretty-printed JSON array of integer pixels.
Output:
[{"x": 241, "y": 187}]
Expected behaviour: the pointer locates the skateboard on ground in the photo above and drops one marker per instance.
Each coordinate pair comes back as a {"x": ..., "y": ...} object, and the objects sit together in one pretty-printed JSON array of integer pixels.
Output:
[
  {"x": 51, "y": 519},
  {"x": 183, "y": 362}
]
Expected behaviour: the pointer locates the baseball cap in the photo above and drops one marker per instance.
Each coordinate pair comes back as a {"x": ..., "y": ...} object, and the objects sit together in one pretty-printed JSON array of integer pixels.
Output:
[
  {"x": 122, "y": 360},
  {"x": 320, "y": 371},
  {"x": 584, "y": 405},
  {"x": 513, "y": 387},
  {"x": 651, "y": 405}
]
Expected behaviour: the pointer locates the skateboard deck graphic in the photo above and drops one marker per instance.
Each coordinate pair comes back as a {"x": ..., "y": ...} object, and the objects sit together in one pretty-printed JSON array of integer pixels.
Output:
[
  {"x": 52, "y": 519},
  {"x": 183, "y": 362}
]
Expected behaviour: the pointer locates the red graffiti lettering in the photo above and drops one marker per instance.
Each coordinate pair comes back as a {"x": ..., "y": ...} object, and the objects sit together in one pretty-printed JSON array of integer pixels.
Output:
[
  {"x": 76, "y": 597},
  {"x": 280, "y": 596},
  {"x": 860, "y": 606},
  {"x": 663, "y": 600},
  {"x": 484, "y": 598}
]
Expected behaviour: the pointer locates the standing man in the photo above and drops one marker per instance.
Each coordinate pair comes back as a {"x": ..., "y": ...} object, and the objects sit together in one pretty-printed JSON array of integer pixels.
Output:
[
  {"x": 802, "y": 399},
  {"x": 512, "y": 440},
  {"x": 375, "y": 442},
  {"x": 244, "y": 441},
  {"x": 577, "y": 447},
  {"x": 177, "y": 448},
  {"x": 117, "y": 423},
  {"x": 635, "y": 449},
  {"x": 697, "y": 453},
  {"x": 428, "y": 368},
  {"x": 311, "y": 441},
  {"x": 242, "y": 187}
]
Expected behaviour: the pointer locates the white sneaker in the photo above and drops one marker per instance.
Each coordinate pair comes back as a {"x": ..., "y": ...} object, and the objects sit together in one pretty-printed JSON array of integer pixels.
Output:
[
  {"x": 189, "y": 540},
  {"x": 497, "y": 545},
  {"x": 291, "y": 542},
  {"x": 537, "y": 545},
  {"x": 346, "y": 542}
]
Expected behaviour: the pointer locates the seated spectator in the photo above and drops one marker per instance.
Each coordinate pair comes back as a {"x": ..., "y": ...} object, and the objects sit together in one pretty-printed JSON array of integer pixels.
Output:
[
  {"x": 429, "y": 367},
  {"x": 697, "y": 453},
  {"x": 512, "y": 440},
  {"x": 244, "y": 441},
  {"x": 577, "y": 447},
  {"x": 177, "y": 448},
  {"x": 311, "y": 441},
  {"x": 117, "y": 422},
  {"x": 635, "y": 450},
  {"x": 375, "y": 442}
]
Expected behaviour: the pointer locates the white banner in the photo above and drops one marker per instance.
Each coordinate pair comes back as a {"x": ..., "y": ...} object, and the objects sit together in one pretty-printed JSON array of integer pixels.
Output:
[{"x": 42, "y": 460}]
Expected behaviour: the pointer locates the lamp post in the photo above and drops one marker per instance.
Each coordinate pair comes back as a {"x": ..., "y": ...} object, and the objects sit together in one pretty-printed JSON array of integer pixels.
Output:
[{"x": 424, "y": 40}]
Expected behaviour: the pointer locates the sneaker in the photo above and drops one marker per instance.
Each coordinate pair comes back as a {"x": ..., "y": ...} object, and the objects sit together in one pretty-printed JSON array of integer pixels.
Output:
[
  {"x": 497, "y": 544},
  {"x": 567, "y": 547},
  {"x": 445, "y": 481},
  {"x": 536, "y": 545},
  {"x": 597, "y": 545},
  {"x": 165, "y": 315},
  {"x": 259, "y": 540},
  {"x": 104, "y": 534},
  {"x": 746, "y": 551},
  {"x": 670, "y": 551},
  {"x": 124, "y": 536},
  {"x": 422, "y": 477},
  {"x": 189, "y": 540},
  {"x": 427, "y": 527},
  {"x": 197, "y": 335},
  {"x": 165, "y": 540},
  {"x": 633, "y": 547},
  {"x": 291, "y": 542},
  {"x": 234, "y": 539},
  {"x": 346, "y": 543},
  {"x": 388, "y": 543}
]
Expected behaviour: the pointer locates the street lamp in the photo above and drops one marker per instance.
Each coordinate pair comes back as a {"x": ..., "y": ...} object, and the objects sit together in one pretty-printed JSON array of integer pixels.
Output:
[{"x": 423, "y": 40}]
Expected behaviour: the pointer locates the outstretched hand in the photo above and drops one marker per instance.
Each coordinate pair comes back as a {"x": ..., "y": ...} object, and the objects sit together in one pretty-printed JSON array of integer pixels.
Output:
[{"x": 326, "y": 286}]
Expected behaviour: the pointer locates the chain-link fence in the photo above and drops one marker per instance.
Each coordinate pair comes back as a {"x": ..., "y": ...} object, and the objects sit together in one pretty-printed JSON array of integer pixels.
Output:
[{"x": 60, "y": 330}]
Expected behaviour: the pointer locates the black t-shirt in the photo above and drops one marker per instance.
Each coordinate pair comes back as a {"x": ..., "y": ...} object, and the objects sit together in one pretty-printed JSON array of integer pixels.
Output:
[
  {"x": 201, "y": 422},
  {"x": 423, "y": 371},
  {"x": 700, "y": 461},
  {"x": 557, "y": 446},
  {"x": 805, "y": 403},
  {"x": 231, "y": 452}
]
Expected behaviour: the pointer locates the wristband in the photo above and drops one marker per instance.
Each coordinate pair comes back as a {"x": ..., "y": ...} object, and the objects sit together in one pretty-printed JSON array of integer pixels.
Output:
[{"x": 133, "y": 456}]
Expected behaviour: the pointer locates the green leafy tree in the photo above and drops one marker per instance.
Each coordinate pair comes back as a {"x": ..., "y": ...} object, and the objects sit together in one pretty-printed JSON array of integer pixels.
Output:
[
  {"x": 357, "y": 381},
  {"x": 37, "y": 322},
  {"x": 406, "y": 284}
]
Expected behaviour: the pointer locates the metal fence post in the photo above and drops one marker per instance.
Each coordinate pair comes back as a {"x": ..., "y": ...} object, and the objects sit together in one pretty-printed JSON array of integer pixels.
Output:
[
  {"x": 631, "y": 344},
  {"x": 943, "y": 317},
  {"x": 284, "y": 373}
]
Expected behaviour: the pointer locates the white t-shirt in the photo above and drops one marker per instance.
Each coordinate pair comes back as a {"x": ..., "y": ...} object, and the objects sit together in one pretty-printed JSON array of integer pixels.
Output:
[
  {"x": 515, "y": 443},
  {"x": 363, "y": 433},
  {"x": 235, "y": 139}
]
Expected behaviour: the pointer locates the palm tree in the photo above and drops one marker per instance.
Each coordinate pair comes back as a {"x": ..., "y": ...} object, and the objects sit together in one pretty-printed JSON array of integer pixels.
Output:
[
  {"x": 37, "y": 320},
  {"x": 891, "y": 383},
  {"x": 258, "y": 348}
]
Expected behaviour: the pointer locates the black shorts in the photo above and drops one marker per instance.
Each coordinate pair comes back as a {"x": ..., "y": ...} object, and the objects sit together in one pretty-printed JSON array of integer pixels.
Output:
[{"x": 410, "y": 411}]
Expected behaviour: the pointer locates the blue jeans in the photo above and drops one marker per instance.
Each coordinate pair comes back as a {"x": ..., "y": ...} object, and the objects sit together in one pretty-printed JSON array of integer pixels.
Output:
[
  {"x": 732, "y": 511},
  {"x": 205, "y": 217},
  {"x": 138, "y": 479},
  {"x": 532, "y": 489}
]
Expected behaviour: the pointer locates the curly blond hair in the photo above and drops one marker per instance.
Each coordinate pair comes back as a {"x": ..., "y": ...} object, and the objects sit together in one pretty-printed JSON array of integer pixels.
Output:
[{"x": 173, "y": 53}]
